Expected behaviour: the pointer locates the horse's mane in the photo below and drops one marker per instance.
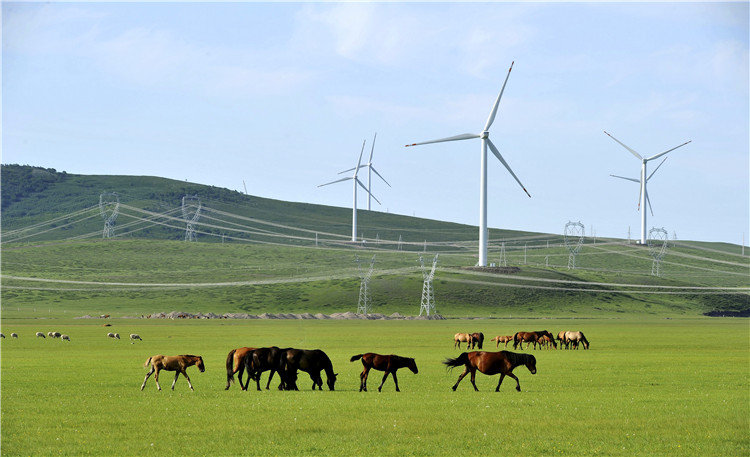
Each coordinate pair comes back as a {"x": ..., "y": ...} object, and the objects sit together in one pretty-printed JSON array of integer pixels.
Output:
[
  {"x": 516, "y": 358},
  {"x": 190, "y": 355}
]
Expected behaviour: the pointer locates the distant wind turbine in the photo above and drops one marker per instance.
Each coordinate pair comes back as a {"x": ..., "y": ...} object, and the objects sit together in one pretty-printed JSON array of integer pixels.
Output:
[
  {"x": 643, "y": 196},
  {"x": 483, "y": 170},
  {"x": 355, "y": 181},
  {"x": 370, "y": 169}
]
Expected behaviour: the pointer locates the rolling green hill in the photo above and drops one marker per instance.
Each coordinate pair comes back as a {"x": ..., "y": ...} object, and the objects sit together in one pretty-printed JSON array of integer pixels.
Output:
[{"x": 259, "y": 255}]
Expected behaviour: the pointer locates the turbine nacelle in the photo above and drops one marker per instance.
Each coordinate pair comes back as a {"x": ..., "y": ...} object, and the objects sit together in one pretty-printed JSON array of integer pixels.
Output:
[{"x": 484, "y": 135}]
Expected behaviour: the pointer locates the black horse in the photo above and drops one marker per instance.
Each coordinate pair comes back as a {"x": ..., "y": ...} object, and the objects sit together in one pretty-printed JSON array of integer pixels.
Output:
[
  {"x": 477, "y": 339},
  {"x": 310, "y": 361},
  {"x": 264, "y": 359}
]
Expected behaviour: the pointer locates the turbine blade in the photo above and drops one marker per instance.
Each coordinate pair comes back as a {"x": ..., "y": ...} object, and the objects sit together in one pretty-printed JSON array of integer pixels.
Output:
[
  {"x": 652, "y": 173},
  {"x": 373, "y": 147},
  {"x": 367, "y": 190},
  {"x": 640, "y": 189},
  {"x": 500, "y": 158},
  {"x": 465, "y": 136},
  {"x": 359, "y": 162},
  {"x": 338, "y": 180},
  {"x": 381, "y": 177},
  {"x": 623, "y": 177},
  {"x": 624, "y": 146},
  {"x": 345, "y": 171},
  {"x": 491, "y": 119},
  {"x": 648, "y": 200},
  {"x": 659, "y": 155}
]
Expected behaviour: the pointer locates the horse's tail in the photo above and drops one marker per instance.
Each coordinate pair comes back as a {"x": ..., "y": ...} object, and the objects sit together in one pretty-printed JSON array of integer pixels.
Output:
[
  {"x": 515, "y": 340},
  {"x": 230, "y": 366},
  {"x": 145, "y": 365},
  {"x": 356, "y": 357},
  {"x": 462, "y": 359}
]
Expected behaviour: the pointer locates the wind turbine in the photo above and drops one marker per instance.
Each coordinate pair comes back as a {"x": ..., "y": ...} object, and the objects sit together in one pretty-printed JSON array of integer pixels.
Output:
[
  {"x": 355, "y": 181},
  {"x": 370, "y": 169},
  {"x": 483, "y": 170},
  {"x": 643, "y": 196}
]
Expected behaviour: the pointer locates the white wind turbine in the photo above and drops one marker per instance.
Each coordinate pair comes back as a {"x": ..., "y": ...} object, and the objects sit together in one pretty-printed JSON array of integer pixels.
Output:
[
  {"x": 370, "y": 169},
  {"x": 483, "y": 171},
  {"x": 643, "y": 196},
  {"x": 355, "y": 181}
]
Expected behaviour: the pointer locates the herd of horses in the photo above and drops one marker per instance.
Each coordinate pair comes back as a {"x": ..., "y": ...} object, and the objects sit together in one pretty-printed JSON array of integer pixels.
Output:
[
  {"x": 287, "y": 362},
  {"x": 542, "y": 338}
]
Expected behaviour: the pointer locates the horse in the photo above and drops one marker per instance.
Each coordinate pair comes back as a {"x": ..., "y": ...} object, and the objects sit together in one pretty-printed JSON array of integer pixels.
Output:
[
  {"x": 38, "y": 334},
  {"x": 178, "y": 363},
  {"x": 575, "y": 338},
  {"x": 491, "y": 363},
  {"x": 387, "y": 363},
  {"x": 264, "y": 359},
  {"x": 459, "y": 338},
  {"x": 14, "y": 335},
  {"x": 65, "y": 338},
  {"x": 547, "y": 341},
  {"x": 530, "y": 338},
  {"x": 135, "y": 336},
  {"x": 502, "y": 339},
  {"x": 311, "y": 362},
  {"x": 235, "y": 363},
  {"x": 561, "y": 339},
  {"x": 477, "y": 339}
]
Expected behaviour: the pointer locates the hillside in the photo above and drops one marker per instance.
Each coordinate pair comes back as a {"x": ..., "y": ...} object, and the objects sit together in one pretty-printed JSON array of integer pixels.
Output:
[{"x": 259, "y": 255}]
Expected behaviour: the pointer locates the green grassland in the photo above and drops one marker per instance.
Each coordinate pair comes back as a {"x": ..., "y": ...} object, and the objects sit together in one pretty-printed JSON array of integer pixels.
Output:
[{"x": 647, "y": 386}]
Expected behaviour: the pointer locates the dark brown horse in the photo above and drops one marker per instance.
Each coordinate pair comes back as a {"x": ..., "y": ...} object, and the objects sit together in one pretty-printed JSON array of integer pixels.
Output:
[
  {"x": 264, "y": 359},
  {"x": 491, "y": 363},
  {"x": 387, "y": 363},
  {"x": 310, "y": 361},
  {"x": 235, "y": 363},
  {"x": 531, "y": 338},
  {"x": 477, "y": 339},
  {"x": 178, "y": 363}
]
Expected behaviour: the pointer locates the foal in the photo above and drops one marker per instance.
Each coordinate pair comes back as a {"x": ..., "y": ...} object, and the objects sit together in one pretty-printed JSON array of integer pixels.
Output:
[{"x": 178, "y": 363}]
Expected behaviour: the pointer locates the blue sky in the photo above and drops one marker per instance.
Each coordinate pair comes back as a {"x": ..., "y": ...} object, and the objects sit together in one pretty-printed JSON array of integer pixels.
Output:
[{"x": 281, "y": 95}]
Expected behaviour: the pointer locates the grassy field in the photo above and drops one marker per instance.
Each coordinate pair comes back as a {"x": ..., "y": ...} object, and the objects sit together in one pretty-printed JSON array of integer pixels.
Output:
[{"x": 646, "y": 387}]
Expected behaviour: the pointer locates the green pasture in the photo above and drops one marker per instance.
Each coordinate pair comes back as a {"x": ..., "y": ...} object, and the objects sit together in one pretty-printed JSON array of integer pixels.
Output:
[{"x": 647, "y": 386}]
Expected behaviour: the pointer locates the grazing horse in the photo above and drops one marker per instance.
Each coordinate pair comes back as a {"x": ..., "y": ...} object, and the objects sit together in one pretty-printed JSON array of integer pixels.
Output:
[
  {"x": 178, "y": 363},
  {"x": 502, "y": 339},
  {"x": 264, "y": 359},
  {"x": 135, "y": 336},
  {"x": 547, "y": 341},
  {"x": 65, "y": 338},
  {"x": 575, "y": 338},
  {"x": 38, "y": 334},
  {"x": 531, "y": 338},
  {"x": 235, "y": 363},
  {"x": 387, "y": 363},
  {"x": 459, "y": 338},
  {"x": 561, "y": 339},
  {"x": 310, "y": 361},
  {"x": 477, "y": 339},
  {"x": 490, "y": 363}
]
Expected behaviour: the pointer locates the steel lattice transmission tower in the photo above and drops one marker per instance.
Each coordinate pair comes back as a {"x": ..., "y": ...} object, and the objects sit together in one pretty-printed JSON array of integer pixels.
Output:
[
  {"x": 503, "y": 259},
  {"x": 658, "y": 241},
  {"x": 109, "y": 207},
  {"x": 574, "y": 234},
  {"x": 427, "y": 305},
  {"x": 365, "y": 299},
  {"x": 191, "y": 211}
]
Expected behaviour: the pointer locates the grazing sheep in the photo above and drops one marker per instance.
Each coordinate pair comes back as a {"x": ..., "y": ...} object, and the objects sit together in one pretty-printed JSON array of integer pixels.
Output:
[
  {"x": 65, "y": 337},
  {"x": 56, "y": 334},
  {"x": 51, "y": 334},
  {"x": 135, "y": 336},
  {"x": 14, "y": 335},
  {"x": 38, "y": 334},
  {"x": 117, "y": 336},
  {"x": 110, "y": 335}
]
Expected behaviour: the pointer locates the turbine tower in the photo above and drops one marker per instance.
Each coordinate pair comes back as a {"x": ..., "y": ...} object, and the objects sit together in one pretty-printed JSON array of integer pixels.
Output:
[
  {"x": 355, "y": 181},
  {"x": 483, "y": 170},
  {"x": 643, "y": 196},
  {"x": 370, "y": 169}
]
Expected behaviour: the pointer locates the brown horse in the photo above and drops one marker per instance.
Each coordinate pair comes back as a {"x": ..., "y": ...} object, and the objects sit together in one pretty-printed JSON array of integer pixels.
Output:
[
  {"x": 491, "y": 363},
  {"x": 178, "y": 363},
  {"x": 502, "y": 339},
  {"x": 575, "y": 338},
  {"x": 546, "y": 341},
  {"x": 310, "y": 361},
  {"x": 561, "y": 339},
  {"x": 477, "y": 339},
  {"x": 234, "y": 364},
  {"x": 387, "y": 363},
  {"x": 459, "y": 338},
  {"x": 530, "y": 338}
]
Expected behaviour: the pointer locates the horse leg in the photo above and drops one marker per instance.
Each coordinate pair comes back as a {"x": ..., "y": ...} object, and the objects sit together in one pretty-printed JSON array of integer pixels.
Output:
[
  {"x": 184, "y": 373},
  {"x": 395, "y": 380},
  {"x": 384, "y": 378},
  {"x": 257, "y": 380},
  {"x": 270, "y": 378},
  {"x": 473, "y": 377},
  {"x": 176, "y": 375},
  {"x": 156, "y": 378},
  {"x": 363, "y": 379},
  {"x": 497, "y": 389},
  {"x": 518, "y": 384},
  {"x": 150, "y": 372},
  {"x": 460, "y": 377}
]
